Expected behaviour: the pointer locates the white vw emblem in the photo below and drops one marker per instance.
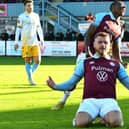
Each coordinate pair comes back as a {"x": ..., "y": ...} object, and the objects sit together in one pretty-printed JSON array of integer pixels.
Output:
[{"x": 102, "y": 76}]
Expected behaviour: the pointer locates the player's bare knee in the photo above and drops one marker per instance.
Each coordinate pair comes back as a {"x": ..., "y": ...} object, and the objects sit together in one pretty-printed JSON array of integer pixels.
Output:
[
  {"x": 82, "y": 121},
  {"x": 115, "y": 123},
  {"x": 115, "y": 120}
]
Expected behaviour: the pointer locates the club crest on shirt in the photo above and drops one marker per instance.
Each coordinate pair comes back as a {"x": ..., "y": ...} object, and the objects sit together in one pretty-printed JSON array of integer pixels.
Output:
[
  {"x": 91, "y": 62},
  {"x": 112, "y": 64}
]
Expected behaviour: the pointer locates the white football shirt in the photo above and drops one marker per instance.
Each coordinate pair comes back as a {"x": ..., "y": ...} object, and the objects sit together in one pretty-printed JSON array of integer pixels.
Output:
[{"x": 29, "y": 24}]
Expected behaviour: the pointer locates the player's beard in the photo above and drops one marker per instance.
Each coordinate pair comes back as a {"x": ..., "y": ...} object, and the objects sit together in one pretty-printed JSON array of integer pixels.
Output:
[{"x": 102, "y": 52}]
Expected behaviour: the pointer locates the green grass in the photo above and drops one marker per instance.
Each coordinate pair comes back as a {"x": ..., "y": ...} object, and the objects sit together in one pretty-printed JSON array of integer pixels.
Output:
[{"x": 29, "y": 107}]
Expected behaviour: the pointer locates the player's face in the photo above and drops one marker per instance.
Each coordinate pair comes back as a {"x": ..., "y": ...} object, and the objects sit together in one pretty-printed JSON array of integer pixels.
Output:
[
  {"x": 121, "y": 9},
  {"x": 29, "y": 7},
  {"x": 102, "y": 45}
]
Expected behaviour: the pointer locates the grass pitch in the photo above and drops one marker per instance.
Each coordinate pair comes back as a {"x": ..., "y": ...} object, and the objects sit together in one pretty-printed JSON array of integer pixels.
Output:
[{"x": 29, "y": 107}]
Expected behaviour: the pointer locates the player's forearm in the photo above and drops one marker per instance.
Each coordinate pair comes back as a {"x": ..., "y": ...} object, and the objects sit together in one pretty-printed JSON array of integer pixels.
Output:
[
  {"x": 125, "y": 82},
  {"x": 117, "y": 56},
  {"x": 87, "y": 43},
  {"x": 116, "y": 50},
  {"x": 17, "y": 35},
  {"x": 68, "y": 85},
  {"x": 89, "y": 34},
  {"x": 40, "y": 33}
]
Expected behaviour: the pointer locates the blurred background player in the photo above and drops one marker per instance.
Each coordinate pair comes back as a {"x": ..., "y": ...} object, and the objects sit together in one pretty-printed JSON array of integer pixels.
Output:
[
  {"x": 108, "y": 22},
  {"x": 99, "y": 96},
  {"x": 28, "y": 26}
]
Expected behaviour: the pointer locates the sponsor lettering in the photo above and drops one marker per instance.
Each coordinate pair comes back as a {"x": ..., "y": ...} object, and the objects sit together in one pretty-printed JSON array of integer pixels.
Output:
[{"x": 96, "y": 68}]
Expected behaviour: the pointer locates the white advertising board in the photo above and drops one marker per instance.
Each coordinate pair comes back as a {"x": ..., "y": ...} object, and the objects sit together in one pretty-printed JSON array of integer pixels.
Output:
[
  {"x": 52, "y": 48},
  {"x": 2, "y": 47},
  {"x": 125, "y": 49},
  {"x": 10, "y": 49},
  {"x": 60, "y": 48}
]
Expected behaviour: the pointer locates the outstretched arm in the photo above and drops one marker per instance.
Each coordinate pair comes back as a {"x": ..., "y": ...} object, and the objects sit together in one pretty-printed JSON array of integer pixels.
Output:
[{"x": 69, "y": 84}]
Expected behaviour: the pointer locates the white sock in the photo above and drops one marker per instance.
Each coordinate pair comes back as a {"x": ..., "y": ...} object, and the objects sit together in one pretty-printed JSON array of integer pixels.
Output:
[
  {"x": 65, "y": 96},
  {"x": 74, "y": 122}
]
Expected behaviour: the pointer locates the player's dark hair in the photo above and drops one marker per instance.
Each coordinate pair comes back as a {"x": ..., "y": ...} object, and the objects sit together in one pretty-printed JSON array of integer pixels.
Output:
[
  {"x": 27, "y": 1},
  {"x": 115, "y": 3},
  {"x": 102, "y": 34}
]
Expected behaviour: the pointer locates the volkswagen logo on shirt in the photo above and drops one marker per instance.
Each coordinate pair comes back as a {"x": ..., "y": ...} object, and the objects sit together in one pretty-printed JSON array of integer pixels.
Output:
[{"x": 102, "y": 76}]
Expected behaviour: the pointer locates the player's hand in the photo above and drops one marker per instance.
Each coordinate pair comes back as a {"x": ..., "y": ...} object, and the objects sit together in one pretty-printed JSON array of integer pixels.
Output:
[
  {"x": 15, "y": 47},
  {"x": 42, "y": 48},
  {"x": 51, "y": 83}
]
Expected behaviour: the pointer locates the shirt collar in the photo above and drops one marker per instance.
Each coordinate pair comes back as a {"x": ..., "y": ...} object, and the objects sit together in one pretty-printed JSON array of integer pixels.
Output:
[{"x": 96, "y": 56}]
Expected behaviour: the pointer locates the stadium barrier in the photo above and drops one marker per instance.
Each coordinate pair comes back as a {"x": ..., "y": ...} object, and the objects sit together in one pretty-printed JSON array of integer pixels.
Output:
[
  {"x": 52, "y": 48},
  {"x": 55, "y": 48}
]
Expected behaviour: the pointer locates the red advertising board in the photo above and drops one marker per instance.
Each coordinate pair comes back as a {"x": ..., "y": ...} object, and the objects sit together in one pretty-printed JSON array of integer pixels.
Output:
[
  {"x": 3, "y": 9},
  {"x": 124, "y": 49}
]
